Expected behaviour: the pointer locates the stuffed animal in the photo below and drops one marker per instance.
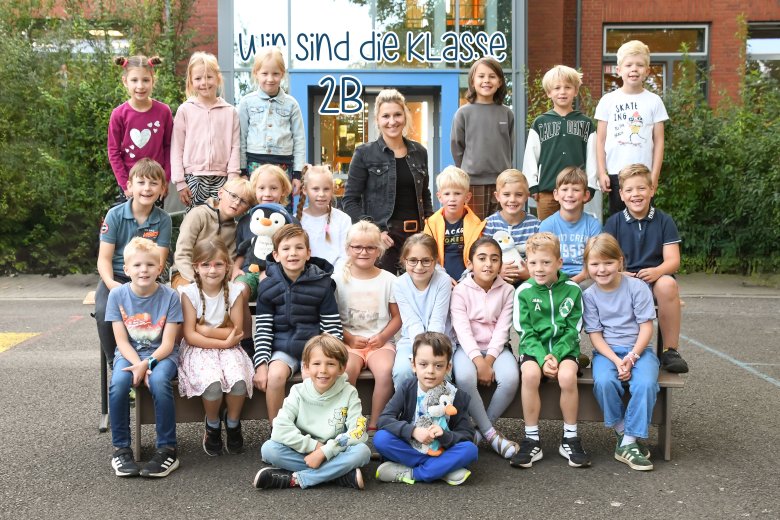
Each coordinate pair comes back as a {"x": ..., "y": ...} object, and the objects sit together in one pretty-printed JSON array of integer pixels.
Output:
[
  {"x": 438, "y": 401},
  {"x": 510, "y": 252},
  {"x": 265, "y": 220},
  {"x": 357, "y": 435}
]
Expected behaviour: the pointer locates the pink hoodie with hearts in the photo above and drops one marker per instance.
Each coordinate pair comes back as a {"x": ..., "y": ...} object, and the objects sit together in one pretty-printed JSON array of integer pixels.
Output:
[{"x": 133, "y": 135}]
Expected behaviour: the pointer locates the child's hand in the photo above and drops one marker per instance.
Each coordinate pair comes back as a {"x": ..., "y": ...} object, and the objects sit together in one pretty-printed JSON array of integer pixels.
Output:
[
  {"x": 387, "y": 240},
  {"x": 260, "y": 379},
  {"x": 374, "y": 342},
  {"x": 485, "y": 373},
  {"x": 624, "y": 373},
  {"x": 550, "y": 366},
  {"x": 185, "y": 196},
  {"x": 315, "y": 459},
  {"x": 649, "y": 274},
  {"x": 422, "y": 435},
  {"x": 234, "y": 337},
  {"x": 435, "y": 430},
  {"x": 604, "y": 182},
  {"x": 358, "y": 342},
  {"x": 138, "y": 370},
  {"x": 510, "y": 272},
  {"x": 296, "y": 186}
]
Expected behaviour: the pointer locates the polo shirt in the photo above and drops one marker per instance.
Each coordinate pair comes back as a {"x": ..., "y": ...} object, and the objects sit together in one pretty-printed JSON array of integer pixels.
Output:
[
  {"x": 643, "y": 240},
  {"x": 119, "y": 227}
]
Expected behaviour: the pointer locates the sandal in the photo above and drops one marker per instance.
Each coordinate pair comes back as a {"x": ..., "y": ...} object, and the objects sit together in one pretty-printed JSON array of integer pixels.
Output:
[{"x": 503, "y": 446}]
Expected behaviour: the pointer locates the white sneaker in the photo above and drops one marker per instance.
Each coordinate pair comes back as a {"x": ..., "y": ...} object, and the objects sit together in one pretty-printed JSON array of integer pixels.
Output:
[
  {"x": 394, "y": 472},
  {"x": 456, "y": 477}
]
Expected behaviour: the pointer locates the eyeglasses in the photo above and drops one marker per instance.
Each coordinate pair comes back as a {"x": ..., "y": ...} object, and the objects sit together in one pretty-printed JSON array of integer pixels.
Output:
[
  {"x": 425, "y": 262},
  {"x": 367, "y": 249},
  {"x": 212, "y": 265},
  {"x": 236, "y": 198}
]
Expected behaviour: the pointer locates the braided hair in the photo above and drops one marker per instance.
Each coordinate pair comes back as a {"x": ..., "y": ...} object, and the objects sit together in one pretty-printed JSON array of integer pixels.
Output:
[{"x": 207, "y": 251}]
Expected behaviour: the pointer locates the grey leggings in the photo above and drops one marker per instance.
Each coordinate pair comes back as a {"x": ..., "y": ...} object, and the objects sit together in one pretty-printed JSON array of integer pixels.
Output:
[
  {"x": 507, "y": 382},
  {"x": 213, "y": 392}
]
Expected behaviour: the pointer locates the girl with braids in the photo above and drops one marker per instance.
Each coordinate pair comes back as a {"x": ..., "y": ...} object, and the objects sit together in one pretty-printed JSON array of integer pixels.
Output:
[
  {"x": 141, "y": 126},
  {"x": 212, "y": 361},
  {"x": 368, "y": 312},
  {"x": 327, "y": 226}
]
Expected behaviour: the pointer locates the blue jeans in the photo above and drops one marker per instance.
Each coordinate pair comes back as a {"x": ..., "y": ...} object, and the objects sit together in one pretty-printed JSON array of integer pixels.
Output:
[
  {"x": 643, "y": 386},
  {"x": 162, "y": 394},
  {"x": 424, "y": 467},
  {"x": 402, "y": 367},
  {"x": 284, "y": 457}
]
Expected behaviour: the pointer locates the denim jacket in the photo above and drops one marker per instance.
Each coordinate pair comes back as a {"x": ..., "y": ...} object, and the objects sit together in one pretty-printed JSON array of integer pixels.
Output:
[
  {"x": 370, "y": 191},
  {"x": 272, "y": 126}
]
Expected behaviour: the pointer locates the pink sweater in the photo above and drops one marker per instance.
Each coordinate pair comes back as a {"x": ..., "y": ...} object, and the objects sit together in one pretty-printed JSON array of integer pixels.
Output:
[
  {"x": 133, "y": 135},
  {"x": 480, "y": 319},
  {"x": 205, "y": 141}
]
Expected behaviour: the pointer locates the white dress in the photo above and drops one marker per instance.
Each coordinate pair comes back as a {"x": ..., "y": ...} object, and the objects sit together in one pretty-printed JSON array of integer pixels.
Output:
[{"x": 200, "y": 367}]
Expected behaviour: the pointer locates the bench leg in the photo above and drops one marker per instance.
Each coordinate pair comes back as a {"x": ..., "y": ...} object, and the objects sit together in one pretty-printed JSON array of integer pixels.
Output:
[
  {"x": 103, "y": 426},
  {"x": 665, "y": 429},
  {"x": 137, "y": 427}
]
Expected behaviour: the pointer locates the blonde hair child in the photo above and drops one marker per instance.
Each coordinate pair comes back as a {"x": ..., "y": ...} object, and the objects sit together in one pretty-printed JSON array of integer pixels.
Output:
[
  {"x": 284, "y": 142},
  {"x": 368, "y": 311},
  {"x": 212, "y": 362},
  {"x": 205, "y": 145},
  {"x": 141, "y": 126},
  {"x": 327, "y": 226}
]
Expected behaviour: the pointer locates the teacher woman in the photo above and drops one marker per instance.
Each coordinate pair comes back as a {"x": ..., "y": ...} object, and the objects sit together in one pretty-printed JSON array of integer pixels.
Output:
[{"x": 388, "y": 179}]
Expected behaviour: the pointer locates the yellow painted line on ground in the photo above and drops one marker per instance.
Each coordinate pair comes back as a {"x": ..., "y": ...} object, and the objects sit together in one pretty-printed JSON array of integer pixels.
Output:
[{"x": 11, "y": 339}]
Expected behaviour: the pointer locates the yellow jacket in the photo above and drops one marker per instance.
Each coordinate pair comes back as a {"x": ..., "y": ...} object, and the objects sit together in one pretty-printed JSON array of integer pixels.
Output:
[{"x": 472, "y": 230}]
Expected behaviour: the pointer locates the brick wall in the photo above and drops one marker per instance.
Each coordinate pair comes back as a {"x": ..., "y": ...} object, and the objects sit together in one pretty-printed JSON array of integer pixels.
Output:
[{"x": 204, "y": 22}]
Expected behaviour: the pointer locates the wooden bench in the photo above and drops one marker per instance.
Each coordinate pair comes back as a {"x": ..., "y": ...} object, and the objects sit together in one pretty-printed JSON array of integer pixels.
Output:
[{"x": 191, "y": 410}]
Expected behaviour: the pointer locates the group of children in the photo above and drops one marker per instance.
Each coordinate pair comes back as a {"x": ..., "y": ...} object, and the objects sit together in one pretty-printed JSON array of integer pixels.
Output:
[{"x": 431, "y": 336}]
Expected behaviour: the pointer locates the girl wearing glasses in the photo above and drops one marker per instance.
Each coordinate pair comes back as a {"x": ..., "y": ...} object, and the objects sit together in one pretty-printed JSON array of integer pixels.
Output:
[
  {"x": 423, "y": 298},
  {"x": 369, "y": 314}
]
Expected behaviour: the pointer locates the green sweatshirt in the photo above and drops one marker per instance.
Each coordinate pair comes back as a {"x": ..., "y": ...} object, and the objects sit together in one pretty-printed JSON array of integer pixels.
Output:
[
  {"x": 549, "y": 319},
  {"x": 308, "y": 417}
]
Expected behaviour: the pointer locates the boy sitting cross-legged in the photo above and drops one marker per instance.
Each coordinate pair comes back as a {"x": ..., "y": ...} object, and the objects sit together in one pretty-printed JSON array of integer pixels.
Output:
[
  {"x": 548, "y": 318},
  {"x": 320, "y": 432}
]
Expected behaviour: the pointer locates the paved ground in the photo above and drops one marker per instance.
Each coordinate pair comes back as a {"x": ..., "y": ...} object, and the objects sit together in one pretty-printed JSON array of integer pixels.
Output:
[{"x": 55, "y": 464}]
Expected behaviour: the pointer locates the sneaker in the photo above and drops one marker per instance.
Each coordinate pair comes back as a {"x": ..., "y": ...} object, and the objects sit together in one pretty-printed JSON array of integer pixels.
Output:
[
  {"x": 162, "y": 464},
  {"x": 235, "y": 440},
  {"x": 273, "y": 478},
  {"x": 644, "y": 450},
  {"x": 672, "y": 361},
  {"x": 124, "y": 464},
  {"x": 631, "y": 455},
  {"x": 212, "y": 440},
  {"x": 456, "y": 477},
  {"x": 353, "y": 479},
  {"x": 571, "y": 449},
  {"x": 131, "y": 397},
  {"x": 530, "y": 452},
  {"x": 394, "y": 472}
]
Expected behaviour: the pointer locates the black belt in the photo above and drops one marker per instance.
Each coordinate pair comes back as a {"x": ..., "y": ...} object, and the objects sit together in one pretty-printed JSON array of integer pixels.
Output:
[{"x": 405, "y": 226}]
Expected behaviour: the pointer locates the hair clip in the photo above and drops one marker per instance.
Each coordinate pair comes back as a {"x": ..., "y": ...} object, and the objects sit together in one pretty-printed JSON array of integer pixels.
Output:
[
  {"x": 150, "y": 62},
  {"x": 124, "y": 63}
]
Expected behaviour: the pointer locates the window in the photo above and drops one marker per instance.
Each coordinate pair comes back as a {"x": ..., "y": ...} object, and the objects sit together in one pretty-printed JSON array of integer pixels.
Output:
[
  {"x": 669, "y": 44},
  {"x": 763, "y": 48}
]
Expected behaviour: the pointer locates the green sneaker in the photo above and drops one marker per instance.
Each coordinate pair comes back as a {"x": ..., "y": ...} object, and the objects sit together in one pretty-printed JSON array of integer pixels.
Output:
[
  {"x": 631, "y": 455},
  {"x": 131, "y": 396},
  {"x": 394, "y": 472},
  {"x": 642, "y": 447}
]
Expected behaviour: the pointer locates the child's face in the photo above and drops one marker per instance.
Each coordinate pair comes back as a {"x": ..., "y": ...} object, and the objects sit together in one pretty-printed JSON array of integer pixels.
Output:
[
  {"x": 543, "y": 266},
  {"x": 571, "y": 197},
  {"x": 269, "y": 77},
  {"x": 205, "y": 82},
  {"x": 363, "y": 250},
  {"x": 139, "y": 83},
  {"x": 485, "y": 264},
  {"x": 269, "y": 189},
  {"x": 293, "y": 254},
  {"x": 562, "y": 94},
  {"x": 231, "y": 204},
  {"x": 391, "y": 120},
  {"x": 145, "y": 190},
  {"x": 429, "y": 368},
  {"x": 213, "y": 272},
  {"x": 633, "y": 71},
  {"x": 604, "y": 271},
  {"x": 486, "y": 83},
  {"x": 512, "y": 197},
  {"x": 453, "y": 200},
  {"x": 323, "y": 370},
  {"x": 636, "y": 194},
  {"x": 319, "y": 192},
  {"x": 424, "y": 264},
  {"x": 143, "y": 268}
]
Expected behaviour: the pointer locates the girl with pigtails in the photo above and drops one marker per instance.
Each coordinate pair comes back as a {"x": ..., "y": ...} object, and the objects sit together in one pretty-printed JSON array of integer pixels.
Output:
[{"x": 141, "y": 126}]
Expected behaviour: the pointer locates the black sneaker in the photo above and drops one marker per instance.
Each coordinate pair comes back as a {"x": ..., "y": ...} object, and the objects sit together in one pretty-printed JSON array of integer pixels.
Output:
[
  {"x": 235, "y": 440},
  {"x": 672, "y": 361},
  {"x": 124, "y": 464},
  {"x": 353, "y": 479},
  {"x": 273, "y": 478},
  {"x": 571, "y": 449},
  {"x": 212, "y": 440},
  {"x": 162, "y": 464},
  {"x": 530, "y": 452}
]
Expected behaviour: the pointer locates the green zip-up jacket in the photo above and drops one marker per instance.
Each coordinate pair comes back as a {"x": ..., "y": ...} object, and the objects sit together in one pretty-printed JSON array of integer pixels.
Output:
[{"x": 549, "y": 319}]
